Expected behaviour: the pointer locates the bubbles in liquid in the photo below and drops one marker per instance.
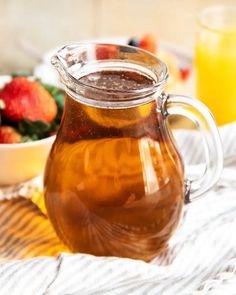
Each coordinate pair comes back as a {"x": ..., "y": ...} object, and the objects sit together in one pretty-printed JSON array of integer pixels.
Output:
[{"x": 117, "y": 80}]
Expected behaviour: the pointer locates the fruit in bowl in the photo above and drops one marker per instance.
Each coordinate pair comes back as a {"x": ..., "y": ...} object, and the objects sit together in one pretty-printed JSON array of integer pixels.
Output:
[{"x": 30, "y": 114}]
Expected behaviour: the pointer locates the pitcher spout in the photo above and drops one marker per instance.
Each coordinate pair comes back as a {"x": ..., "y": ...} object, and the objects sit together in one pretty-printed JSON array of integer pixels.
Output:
[
  {"x": 69, "y": 63},
  {"x": 60, "y": 64}
]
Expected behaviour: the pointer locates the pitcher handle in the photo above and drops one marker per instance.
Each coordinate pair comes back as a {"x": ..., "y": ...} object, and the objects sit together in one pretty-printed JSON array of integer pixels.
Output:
[{"x": 200, "y": 115}]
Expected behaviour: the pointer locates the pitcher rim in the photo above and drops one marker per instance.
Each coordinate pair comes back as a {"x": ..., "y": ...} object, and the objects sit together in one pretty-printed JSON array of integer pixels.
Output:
[{"x": 131, "y": 94}]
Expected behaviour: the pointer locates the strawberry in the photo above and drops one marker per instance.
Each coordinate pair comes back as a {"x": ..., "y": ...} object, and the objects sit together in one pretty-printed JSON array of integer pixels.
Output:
[
  {"x": 106, "y": 52},
  {"x": 148, "y": 42},
  {"x": 9, "y": 135},
  {"x": 25, "y": 99},
  {"x": 185, "y": 73}
]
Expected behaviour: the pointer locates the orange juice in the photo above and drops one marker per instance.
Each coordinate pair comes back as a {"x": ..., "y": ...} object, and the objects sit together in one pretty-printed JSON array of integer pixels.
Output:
[{"x": 215, "y": 60}]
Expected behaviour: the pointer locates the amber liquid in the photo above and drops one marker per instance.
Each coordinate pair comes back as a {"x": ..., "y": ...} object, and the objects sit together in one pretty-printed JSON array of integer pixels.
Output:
[{"x": 114, "y": 180}]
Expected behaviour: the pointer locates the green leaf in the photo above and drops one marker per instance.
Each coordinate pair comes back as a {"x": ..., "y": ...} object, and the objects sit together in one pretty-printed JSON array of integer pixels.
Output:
[
  {"x": 53, "y": 90},
  {"x": 35, "y": 130},
  {"x": 54, "y": 126},
  {"x": 27, "y": 138}
]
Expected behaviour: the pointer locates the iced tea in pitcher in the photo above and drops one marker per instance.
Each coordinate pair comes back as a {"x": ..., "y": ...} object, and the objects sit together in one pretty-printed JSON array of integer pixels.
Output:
[{"x": 114, "y": 182}]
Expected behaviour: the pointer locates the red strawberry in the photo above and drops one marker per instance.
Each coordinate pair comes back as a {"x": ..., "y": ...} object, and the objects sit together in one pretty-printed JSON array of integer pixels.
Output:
[
  {"x": 9, "y": 135},
  {"x": 25, "y": 99},
  {"x": 148, "y": 42},
  {"x": 185, "y": 73},
  {"x": 106, "y": 52}
]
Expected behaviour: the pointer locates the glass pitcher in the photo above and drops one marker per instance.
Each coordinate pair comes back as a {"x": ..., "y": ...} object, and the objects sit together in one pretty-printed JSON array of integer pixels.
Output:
[{"x": 114, "y": 181}]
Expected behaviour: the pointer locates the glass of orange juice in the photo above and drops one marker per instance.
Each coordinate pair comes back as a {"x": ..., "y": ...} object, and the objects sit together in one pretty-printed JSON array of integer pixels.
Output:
[{"x": 215, "y": 61}]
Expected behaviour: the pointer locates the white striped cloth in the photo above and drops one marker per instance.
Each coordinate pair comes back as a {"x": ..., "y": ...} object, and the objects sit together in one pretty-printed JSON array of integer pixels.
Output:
[{"x": 200, "y": 258}]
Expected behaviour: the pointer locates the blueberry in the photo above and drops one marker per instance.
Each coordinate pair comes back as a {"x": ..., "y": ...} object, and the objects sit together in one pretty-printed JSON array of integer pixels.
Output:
[{"x": 133, "y": 42}]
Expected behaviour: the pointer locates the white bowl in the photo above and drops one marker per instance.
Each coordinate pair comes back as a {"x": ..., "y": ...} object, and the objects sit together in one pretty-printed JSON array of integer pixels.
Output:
[{"x": 22, "y": 161}]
